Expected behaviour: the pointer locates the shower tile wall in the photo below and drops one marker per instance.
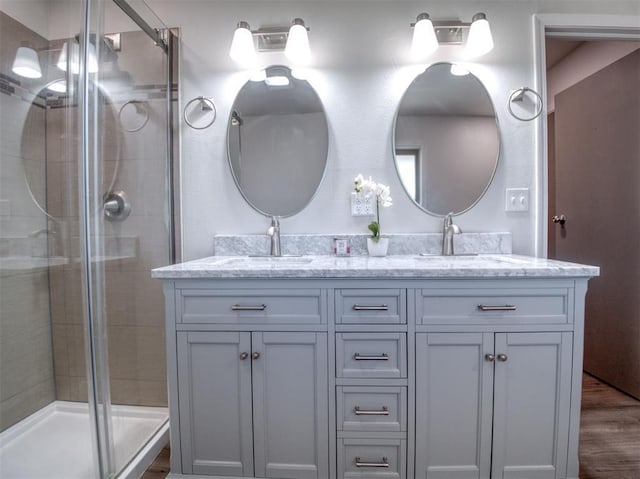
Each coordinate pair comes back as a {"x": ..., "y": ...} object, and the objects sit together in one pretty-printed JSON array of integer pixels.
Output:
[
  {"x": 26, "y": 370},
  {"x": 42, "y": 334},
  {"x": 134, "y": 302}
]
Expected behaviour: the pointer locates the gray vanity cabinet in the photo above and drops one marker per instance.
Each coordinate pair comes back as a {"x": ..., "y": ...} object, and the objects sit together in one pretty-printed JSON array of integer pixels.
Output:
[
  {"x": 401, "y": 378},
  {"x": 492, "y": 404},
  {"x": 253, "y": 403}
]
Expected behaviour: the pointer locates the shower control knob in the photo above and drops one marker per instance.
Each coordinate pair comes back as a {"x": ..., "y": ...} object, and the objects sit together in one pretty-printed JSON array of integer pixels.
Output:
[{"x": 116, "y": 206}]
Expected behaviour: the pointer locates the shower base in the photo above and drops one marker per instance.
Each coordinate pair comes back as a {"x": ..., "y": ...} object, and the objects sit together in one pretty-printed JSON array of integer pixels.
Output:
[{"x": 55, "y": 442}]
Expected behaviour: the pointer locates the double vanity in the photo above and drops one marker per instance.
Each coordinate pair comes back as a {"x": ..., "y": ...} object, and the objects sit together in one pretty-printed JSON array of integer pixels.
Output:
[
  {"x": 400, "y": 367},
  {"x": 404, "y": 366}
]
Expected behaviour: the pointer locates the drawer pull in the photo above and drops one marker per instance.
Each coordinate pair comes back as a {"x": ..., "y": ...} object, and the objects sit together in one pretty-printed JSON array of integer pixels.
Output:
[
  {"x": 258, "y": 307},
  {"x": 382, "y": 307},
  {"x": 384, "y": 463},
  {"x": 506, "y": 307},
  {"x": 364, "y": 412},
  {"x": 382, "y": 357}
]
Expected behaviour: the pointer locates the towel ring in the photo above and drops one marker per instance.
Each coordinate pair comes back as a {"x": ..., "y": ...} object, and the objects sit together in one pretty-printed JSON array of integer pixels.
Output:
[
  {"x": 518, "y": 96},
  {"x": 135, "y": 103},
  {"x": 206, "y": 105}
]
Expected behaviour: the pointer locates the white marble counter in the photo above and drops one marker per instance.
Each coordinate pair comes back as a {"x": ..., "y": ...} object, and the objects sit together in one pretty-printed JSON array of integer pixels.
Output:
[{"x": 394, "y": 266}]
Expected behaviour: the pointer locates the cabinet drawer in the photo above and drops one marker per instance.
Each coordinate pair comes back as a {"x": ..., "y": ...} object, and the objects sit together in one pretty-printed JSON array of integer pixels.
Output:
[
  {"x": 364, "y": 408},
  {"x": 478, "y": 306},
  {"x": 372, "y": 458},
  {"x": 371, "y": 355},
  {"x": 303, "y": 306},
  {"x": 371, "y": 306}
]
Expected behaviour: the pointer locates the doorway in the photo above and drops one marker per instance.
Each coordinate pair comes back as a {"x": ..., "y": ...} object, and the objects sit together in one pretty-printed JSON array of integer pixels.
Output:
[{"x": 593, "y": 192}]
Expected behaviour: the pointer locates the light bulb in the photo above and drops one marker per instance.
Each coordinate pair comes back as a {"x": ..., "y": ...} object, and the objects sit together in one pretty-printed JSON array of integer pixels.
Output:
[
  {"x": 297, "y": 48},
  {"x": 479, "y": 40},
  {"x": 242, "y": 48},
  {"x": 457, "y": 70},
  {"x": 424, "y": 41},
  {"x": 26, "y": 63},
  {"x": 58, "y": 86},
  {"x": 70, "y": 58}
]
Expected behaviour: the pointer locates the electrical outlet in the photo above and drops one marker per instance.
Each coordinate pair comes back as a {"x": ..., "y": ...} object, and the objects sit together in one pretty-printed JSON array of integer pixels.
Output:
[
  {"x": 517, "y": 199},
  {"x": 361, "y": 205}
]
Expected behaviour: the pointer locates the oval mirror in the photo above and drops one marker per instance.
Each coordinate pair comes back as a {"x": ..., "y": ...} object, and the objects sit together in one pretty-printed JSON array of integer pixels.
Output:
[
  {"x": 446, "y": 140},
  {"x": 277, "y": 142},
  {"x": 49, "y": 145}
]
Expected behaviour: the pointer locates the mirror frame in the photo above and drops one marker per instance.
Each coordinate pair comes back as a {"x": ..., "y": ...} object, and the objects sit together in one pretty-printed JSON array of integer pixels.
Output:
[
  {"x": 395, "y": 148},
  {"x": 230, "y": 164}
]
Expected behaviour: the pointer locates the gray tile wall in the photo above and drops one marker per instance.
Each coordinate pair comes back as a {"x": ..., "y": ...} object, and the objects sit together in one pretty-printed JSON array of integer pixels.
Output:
[{"x": 26, "y": 367}]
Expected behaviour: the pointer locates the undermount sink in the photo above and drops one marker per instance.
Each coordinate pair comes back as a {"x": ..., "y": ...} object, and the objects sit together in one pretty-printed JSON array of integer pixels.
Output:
[
  {"x": 269, "y": 260},
  {"x": 468, "y": 258}
]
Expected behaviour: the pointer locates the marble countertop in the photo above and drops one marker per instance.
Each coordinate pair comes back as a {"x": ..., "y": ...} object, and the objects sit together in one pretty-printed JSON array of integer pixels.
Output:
[{"x": 394, "y": 266}]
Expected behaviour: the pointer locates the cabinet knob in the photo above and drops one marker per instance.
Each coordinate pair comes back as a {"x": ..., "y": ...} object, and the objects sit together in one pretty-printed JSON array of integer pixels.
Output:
[
  {"x": 502, "y": 357},
  {"x": 489, "y": 357},
  {"x": 255, "y": 355},
  {"x": 244, "y": 356}
]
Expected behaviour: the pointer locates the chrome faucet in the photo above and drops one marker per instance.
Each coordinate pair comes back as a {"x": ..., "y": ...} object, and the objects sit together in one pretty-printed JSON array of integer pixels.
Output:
[
  {"x": 274, "y": 233},
  {"x": 448, "y": 230}
]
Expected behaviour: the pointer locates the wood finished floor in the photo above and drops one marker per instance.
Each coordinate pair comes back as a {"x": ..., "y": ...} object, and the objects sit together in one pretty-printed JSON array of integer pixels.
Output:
[
  {"x": 609, "y": 432},
  {"x": 609, "y": 435}
]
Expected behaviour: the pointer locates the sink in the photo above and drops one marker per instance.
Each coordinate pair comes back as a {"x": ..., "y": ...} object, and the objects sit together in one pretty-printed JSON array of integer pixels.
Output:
[
  {"x": 469, "y": 258},
  {"x": 268, "y": 260}
]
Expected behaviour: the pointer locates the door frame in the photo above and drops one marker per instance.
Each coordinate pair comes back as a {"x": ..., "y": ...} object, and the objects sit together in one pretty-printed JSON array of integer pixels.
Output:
[{"x": 576, "y": 26}]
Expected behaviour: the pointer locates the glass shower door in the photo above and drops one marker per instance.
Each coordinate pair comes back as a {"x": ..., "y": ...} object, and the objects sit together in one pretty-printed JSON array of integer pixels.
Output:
[{"x": 128, "y": 219}]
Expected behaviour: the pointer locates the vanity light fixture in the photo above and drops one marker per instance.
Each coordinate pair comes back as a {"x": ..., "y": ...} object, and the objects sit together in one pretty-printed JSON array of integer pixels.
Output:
[
  {"x": 458, "y": 71},
  {"x": 26, "y": 63},
  {"x": 242, "y": 49},
  {"x": 479, "y": 40},
  {"x": 428, "y": 35},
  {"x": 277, "y": 77},
  {"x": 294, "y": 41},
  {"x": 58, "y": 86},
  {"x": 424, "y": 41},
  {"x": 70, "y": 57},
  {"x": 297, "y": 47}
]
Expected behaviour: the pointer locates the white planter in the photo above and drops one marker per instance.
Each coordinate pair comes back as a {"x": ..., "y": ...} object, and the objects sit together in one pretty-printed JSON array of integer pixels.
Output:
[{"x": 378, "y": 249}]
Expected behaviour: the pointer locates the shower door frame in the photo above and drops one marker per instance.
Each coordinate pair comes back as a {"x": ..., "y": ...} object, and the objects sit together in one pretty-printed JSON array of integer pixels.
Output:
[{"x": 90, "y": 201}]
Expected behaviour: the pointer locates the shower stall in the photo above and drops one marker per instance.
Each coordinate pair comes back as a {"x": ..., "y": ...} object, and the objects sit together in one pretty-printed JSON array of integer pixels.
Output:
[{"x": 88, "y": 206}]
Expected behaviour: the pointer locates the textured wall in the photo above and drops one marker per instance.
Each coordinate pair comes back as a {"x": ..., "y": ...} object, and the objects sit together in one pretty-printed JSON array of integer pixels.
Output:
[{"x": 360, "y": 71}]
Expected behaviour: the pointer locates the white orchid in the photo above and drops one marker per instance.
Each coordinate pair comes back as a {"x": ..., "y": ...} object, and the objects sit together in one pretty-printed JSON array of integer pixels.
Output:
[{"x": 370, "y": 188}]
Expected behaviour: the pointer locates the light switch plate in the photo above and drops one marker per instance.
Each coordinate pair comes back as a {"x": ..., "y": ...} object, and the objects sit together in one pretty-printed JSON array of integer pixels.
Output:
[
  {"x": 517, "y": 199},
  {"x": 361, "y": 205}
]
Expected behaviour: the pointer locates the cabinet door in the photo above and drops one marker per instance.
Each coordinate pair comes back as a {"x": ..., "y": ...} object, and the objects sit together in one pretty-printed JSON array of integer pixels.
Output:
[
  {"x": 531, "y": 405},
  {"x": 454, "y": 385},
  {"x": 290, "y": 405},
  {"x": 214, "y": 389}
]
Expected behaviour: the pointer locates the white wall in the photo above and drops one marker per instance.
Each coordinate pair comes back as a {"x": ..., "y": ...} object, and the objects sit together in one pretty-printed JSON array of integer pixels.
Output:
[{"x": 360, "y": 71}]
